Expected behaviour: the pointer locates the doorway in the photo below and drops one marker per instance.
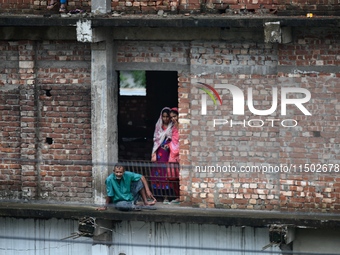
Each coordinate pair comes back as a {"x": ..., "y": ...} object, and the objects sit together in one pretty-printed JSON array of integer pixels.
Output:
[{"x": 138, "y": 113}]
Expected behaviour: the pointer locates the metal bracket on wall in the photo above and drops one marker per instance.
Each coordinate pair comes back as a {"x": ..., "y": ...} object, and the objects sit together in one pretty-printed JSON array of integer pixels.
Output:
[
  {"x": 280, "y": 235},
  {"x": 86, "y": 228}
]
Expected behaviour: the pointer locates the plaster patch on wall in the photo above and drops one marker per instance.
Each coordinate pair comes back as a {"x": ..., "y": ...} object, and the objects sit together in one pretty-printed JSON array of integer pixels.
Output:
[
  {"x": 84, "y": 31},
  {"x": 7, "y": 88},
  {"x": 272, "y": 32}
]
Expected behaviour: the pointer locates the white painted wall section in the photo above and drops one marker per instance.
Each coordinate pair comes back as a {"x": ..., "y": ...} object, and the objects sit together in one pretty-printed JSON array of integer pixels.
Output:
[{"x": 84, "y": 31}]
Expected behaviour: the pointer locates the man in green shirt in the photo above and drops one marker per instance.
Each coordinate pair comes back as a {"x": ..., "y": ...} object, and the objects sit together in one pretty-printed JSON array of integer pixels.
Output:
[{"x": 124, "y": 188}]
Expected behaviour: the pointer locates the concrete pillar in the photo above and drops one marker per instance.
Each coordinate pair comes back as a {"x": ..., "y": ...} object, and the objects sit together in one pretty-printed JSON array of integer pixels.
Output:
[
  {"x": 101, "y": 6},
  {"x": 104, "y": 95},
  {"x": 29, "y": 118}
]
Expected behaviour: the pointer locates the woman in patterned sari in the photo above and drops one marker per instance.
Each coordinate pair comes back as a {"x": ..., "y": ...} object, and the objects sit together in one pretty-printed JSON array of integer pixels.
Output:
[{"x": 160, "y": 153}]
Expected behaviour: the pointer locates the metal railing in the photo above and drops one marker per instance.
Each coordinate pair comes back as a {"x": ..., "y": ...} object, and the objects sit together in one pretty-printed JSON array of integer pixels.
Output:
[{"x": 163, "y": 178}]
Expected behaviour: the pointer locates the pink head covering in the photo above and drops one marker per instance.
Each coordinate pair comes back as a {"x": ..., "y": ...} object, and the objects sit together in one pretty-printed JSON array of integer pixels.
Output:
[{"x": 160, "y": 134}]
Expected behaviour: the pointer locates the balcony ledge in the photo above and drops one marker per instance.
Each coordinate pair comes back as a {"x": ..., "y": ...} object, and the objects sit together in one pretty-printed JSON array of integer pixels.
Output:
[
  {"x": 172, "y": 214},
  {"x": 180, "y": 21}
]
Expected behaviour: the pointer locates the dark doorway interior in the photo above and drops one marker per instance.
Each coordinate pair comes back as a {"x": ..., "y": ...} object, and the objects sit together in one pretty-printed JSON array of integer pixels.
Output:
[{"x": 138, "y": 114}]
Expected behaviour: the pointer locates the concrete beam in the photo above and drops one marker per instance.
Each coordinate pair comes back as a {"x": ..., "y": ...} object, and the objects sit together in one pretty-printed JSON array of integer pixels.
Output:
[
  {"x": 171, "y": 21},
  {"x": 100, "y": 34},
  {"x": 85, "y": 32},
  {"x": 166, "y": 34},
  {"x": 37, "y": 33},
  {"x": 287, "y": 36}
]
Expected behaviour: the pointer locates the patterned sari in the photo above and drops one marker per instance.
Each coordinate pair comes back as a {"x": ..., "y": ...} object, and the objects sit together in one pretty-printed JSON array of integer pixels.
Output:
[{"x": 162, "y": 138}]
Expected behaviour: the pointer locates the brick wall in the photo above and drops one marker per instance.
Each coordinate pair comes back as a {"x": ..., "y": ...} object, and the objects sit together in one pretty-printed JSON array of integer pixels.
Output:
[
  {"x": 62, "y": 69},
  {"x": 161, "y": 52},
  {"x": 295, "y": 7},
  {"x": 45, "y": 121},
  {"x": 312, "y": 144},
  {"x": 318, "y": 141},
  {"x": 10, "y": 177}
]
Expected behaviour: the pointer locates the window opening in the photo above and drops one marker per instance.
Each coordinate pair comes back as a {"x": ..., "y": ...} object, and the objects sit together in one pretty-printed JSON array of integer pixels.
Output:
[{"x": 132, "y": 83}]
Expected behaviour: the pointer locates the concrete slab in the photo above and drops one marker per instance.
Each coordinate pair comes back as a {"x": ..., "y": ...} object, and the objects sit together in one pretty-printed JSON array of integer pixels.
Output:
[
  {"x": 172, "y": 214},
  {"x": 223, "y": 21}
]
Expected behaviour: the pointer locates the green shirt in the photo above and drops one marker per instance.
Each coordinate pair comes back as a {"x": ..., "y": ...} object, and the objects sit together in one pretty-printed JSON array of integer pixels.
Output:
[{"x": 121, "y": 191}]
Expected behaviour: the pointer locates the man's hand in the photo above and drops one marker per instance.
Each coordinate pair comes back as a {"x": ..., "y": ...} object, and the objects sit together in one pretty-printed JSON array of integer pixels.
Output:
[
  {"x": 149, "y": 194},
  {"x": 107, "y": 201},
  {"x": 147, "y": 191}
]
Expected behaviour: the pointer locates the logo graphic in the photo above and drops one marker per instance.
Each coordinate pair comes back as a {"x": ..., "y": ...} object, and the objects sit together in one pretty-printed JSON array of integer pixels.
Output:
[
  {"x": 204, "y": 97},
  {"x": 239, "y": 99}
]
